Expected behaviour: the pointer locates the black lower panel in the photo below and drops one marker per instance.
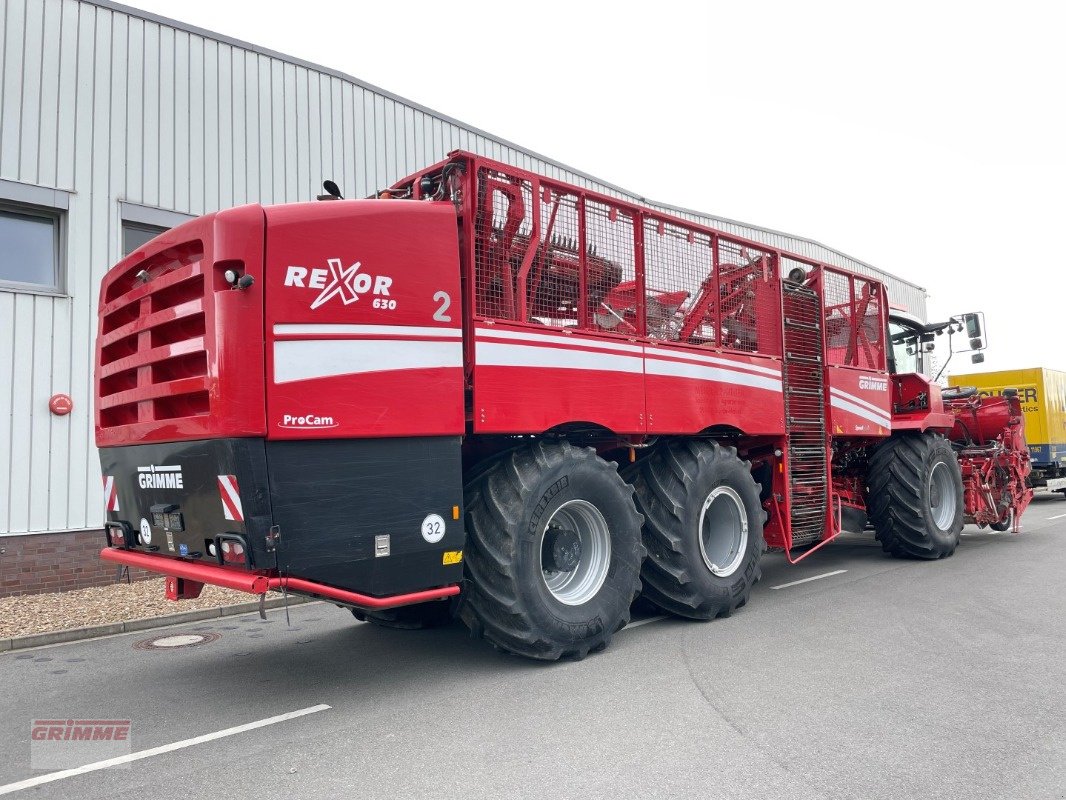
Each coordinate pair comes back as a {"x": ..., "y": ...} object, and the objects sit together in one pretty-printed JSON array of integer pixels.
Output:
[
  {"x": 333, "y": 498},
  {"x": 185, "y": 478}
]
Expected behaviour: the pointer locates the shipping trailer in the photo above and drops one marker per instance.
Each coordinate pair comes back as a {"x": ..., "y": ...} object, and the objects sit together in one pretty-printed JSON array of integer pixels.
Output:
[
  {"x": 1042, "y": 393},
  {"x": 489, "y": 394}
]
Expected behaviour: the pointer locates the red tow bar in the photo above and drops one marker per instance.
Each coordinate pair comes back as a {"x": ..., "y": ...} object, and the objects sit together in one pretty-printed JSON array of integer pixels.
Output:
[{"x": 254, "y": 583}]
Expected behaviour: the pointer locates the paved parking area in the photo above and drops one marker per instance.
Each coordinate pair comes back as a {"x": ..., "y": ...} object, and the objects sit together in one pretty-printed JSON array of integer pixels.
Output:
[{"x": 850, "y": 675}]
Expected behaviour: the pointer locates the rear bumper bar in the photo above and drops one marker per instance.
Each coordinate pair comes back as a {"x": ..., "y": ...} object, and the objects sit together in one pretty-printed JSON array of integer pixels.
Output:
[{"x": 260, "y": 584}]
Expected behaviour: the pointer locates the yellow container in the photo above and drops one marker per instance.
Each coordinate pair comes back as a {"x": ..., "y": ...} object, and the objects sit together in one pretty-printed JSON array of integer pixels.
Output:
[{"x": 1043, "y": 395}]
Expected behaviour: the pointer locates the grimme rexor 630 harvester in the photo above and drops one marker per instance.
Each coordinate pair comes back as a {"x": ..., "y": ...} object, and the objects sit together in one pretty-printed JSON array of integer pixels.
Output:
[{"x": 488, "y": 393}]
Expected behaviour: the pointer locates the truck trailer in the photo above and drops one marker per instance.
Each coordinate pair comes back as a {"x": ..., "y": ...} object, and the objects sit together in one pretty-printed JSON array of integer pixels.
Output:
[
  {"x": 484, "y": 393},
  {"x": 1042, "y": 393}
]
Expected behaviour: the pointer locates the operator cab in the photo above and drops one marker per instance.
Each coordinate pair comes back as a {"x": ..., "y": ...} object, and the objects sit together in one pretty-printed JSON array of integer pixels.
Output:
[{"x": 913, "y": 342}]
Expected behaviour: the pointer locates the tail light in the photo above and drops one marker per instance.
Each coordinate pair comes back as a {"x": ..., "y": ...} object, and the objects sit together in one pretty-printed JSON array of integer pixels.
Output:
[
  {"x": 119, "y": 534},
  {"x": 232, "y": 548}
]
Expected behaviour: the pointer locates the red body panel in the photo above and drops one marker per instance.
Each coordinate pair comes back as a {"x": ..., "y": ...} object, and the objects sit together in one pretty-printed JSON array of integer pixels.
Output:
[
  {"x": 178, "y": 355},
  {"x": 917, "y": 405},
  {"x": 365, "y": 335},
  {"x": 859, "y": 402},
  {"x": 528, "y": 380},
  {"x": 690, "y": 389}
]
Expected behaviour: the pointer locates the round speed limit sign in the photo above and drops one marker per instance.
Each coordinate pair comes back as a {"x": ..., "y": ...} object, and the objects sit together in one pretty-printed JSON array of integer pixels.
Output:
[{"x": 433, "y": 528}]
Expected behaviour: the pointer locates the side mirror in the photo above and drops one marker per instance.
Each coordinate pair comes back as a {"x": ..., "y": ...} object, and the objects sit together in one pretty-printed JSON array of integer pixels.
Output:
[
  {"x": 973, "y": 325},
  {"x": 977, "y": 358}
]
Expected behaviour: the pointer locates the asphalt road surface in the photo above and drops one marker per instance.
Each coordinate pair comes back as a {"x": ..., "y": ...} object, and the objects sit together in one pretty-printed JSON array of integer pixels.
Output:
[{"x": 871, "y": 678}]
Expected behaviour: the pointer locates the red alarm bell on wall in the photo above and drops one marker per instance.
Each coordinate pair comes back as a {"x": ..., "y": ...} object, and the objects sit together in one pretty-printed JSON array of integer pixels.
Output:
[{"x": 60, "y": 404}]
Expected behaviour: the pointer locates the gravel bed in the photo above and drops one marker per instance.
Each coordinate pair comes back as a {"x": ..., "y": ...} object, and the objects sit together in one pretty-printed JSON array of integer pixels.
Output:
[{"x": 119, "y": 602}]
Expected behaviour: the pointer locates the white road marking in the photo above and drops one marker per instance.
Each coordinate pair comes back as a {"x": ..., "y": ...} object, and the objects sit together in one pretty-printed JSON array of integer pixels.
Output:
[
  {"x": 640, "y": 622},
  {"x": 155, "y": 751},
  {"x": 807, "y": 580},
  {"x": 1057, "y": 516}
]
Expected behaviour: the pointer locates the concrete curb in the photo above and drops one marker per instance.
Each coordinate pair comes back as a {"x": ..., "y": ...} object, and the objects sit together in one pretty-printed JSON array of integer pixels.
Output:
[{"x": 110, "y": 629}]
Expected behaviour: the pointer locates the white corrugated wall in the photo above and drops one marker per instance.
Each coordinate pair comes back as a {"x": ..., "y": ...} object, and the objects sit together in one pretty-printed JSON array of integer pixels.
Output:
[{"x": 111, "y": 105}]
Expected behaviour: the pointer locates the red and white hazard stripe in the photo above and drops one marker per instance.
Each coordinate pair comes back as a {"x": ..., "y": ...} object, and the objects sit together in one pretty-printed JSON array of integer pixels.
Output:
[
  {"x": 110, "y": 493},
  {"x": 231, "y": 497}
]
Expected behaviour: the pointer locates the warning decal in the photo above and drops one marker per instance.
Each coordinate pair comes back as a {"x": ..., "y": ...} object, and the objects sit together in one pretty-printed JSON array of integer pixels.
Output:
[{"x": 231, "y": 498}]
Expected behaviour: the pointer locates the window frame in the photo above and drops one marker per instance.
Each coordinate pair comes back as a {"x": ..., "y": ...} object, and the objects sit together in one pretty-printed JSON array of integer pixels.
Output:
[{"x": 50, "y": 204}]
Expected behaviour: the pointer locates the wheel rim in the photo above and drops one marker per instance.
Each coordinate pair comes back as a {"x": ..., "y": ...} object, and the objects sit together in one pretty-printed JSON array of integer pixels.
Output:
[
  {"x": 942, "y": 500},
  {"x": 580, "y": 519},
  {"x": 723, "y": 531}
]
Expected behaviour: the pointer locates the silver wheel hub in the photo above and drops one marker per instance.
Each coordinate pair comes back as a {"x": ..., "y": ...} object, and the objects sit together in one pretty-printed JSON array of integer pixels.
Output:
[
  {"x": 723, "y": 531},
  {"x": 575, "y": 552},
  {"x": 942, "y": 500}
]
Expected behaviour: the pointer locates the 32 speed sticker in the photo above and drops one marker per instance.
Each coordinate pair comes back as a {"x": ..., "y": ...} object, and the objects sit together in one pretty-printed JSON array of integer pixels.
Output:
[{"x": 433, "y": 528}]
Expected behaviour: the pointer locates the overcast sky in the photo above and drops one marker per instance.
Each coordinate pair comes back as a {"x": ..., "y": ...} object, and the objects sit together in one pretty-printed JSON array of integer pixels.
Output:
[{"x": 925, "y": 138}]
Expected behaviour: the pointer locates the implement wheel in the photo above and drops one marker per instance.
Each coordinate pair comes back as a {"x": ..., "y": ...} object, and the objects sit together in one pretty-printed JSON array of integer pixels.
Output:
[
  {"x": 553, "y": 552},
  {"x": 915, "y": 496},
  {"x": 1005, "y": 524},
  {"x": 703, "y": 528}
]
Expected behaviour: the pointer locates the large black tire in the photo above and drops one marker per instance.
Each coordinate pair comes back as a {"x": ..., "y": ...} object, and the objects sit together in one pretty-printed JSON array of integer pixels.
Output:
[
  {"x": 509, "y": 508},
  {"x": 912, "y": 518},
  {"x": 672, "y": 484},
  {"x": 434, "y": 614}
]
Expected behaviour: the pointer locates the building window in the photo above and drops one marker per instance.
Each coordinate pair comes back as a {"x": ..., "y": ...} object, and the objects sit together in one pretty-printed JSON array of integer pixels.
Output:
[
  {"x": 141, "y": 224},
  {"x": 30, "y": 254},
  {"x": 136, "y": 235}
]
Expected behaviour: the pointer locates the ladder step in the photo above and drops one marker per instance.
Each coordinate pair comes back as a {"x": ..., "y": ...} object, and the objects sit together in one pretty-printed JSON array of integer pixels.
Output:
[
  {"x": 802, "y": 326},
  {"x": 800, "y": 359}
]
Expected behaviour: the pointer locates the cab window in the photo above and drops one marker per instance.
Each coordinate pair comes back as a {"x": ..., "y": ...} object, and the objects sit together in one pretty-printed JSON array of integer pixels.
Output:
[{"x": 906, "y": 350}]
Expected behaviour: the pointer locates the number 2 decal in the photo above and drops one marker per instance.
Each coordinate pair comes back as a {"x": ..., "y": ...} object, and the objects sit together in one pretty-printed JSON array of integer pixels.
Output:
[{"x": 445, "y": 301}]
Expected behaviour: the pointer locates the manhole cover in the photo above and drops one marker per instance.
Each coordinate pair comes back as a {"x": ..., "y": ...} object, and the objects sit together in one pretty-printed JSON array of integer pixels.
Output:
[{"x": 176, "y": 640}]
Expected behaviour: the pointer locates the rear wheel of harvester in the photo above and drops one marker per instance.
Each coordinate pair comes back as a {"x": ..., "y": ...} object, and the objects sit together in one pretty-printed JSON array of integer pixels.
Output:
[
  {"x": 553, "y": 552},
  {"x": 434, "y": 614},
  {"x": 703, "y": 528},
  {"x": 916, "y": 496}
]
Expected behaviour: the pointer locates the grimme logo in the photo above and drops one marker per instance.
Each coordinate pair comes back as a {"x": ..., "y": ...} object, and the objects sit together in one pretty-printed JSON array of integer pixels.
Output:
[
  {"x": 347, "y": 283},
  {"x": 153, "y": 477},
  {"x": 75, "y": 730},
  {"x": 873, "y": 383},
  {"x": 66, "y": 743},
  {"x": 304, "y": 421}
]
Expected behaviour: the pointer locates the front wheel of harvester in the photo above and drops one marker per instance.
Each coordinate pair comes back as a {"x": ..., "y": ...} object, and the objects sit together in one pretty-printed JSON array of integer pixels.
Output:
[
  {"x": 703, "y": 528},
  {"x": 553, "y": 552},
  {"x": 916, "y": 496}
]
